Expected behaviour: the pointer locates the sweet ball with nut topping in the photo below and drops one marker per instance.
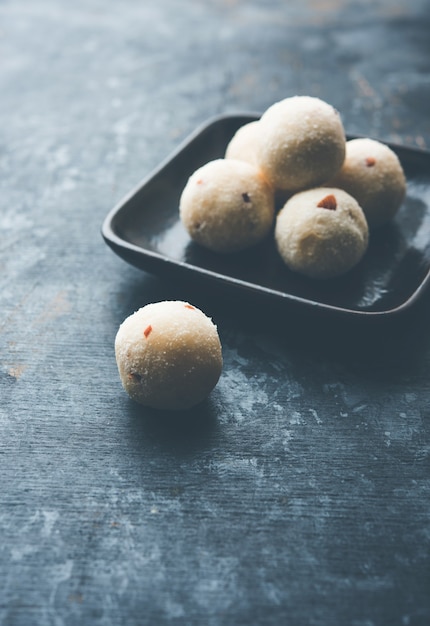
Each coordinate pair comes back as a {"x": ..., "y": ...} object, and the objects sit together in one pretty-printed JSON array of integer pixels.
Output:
[
  {"x": 168, "y": 355},
  {"x": 227, "y": 206},
  {"x": 373, "y": 175},
  {"x": 321, "y": 233}
]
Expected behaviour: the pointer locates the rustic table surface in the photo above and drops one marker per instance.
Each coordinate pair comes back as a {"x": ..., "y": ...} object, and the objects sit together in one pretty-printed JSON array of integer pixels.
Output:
[{"x": 300, "y": 492}]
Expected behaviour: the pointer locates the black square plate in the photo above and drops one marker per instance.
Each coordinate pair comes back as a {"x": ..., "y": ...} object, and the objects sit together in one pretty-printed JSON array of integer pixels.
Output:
[{"x": 145, "y": 230}]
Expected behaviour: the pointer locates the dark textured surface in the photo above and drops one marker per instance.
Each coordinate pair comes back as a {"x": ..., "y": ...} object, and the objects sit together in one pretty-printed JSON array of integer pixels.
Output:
[{"x": 300, "y": 492}]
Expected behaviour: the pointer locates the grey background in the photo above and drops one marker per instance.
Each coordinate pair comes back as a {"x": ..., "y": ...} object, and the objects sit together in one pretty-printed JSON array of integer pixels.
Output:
[{"x": 299, "y": 493}]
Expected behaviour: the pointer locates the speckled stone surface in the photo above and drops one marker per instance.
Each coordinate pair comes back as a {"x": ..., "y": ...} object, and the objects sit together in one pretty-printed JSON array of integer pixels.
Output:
[{"x": 300, "y": 492}]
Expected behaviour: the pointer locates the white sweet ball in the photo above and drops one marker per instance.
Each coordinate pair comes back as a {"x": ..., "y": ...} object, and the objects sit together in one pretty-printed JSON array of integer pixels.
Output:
[
  {"x": 168, "y": 355},
  {"x": 321, "y": 233},
  {"x": 244, "y": 143},
  {"x": 373, "y": 175},
  {"x": 227, "y": 205},
  {"x": 302, "y": 143}
]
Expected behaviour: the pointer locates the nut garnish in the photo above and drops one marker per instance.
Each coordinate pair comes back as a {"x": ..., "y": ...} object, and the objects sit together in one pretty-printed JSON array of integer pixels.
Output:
[{"x": 329, "y": 202}]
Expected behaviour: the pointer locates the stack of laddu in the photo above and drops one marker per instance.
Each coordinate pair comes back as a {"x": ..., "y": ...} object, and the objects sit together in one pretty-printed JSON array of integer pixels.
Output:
[{"x": 336, "y": 190}]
